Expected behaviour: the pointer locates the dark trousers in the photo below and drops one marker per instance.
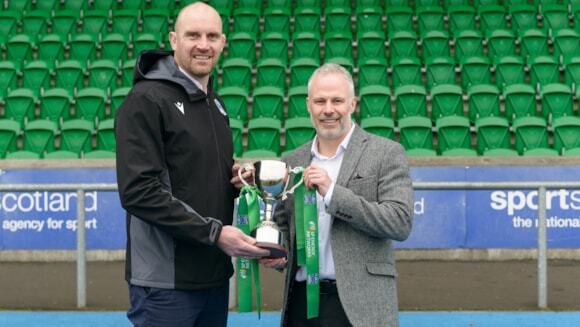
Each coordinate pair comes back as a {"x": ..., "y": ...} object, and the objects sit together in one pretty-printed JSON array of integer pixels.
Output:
[
  {"x": 158, "y": 307},
  {"x": 331, "y": 313}
]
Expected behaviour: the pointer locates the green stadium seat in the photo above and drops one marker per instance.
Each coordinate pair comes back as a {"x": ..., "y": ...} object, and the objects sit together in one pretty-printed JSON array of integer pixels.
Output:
[
  {"x": 114, "y": 47},
  {"x": 136, "y": 4},
  {"x": 375, "y": 101},
  {"x": 369, "y": 19},
  {"x": 410, "y": 100},
  {"x": 250, "y": 4},
  {"x": 297, "y": 102},
  {"x": 399, "y": 18},
  {"x": 22, "y": 155},
  {"x": 468, "y": 43},
  {"x": 83, "y": 47},
  {"x": 474, "y": 71},
  {"x": 39, "y": 136},
  {"x": 392, "y": 3},
  {"x": 520, "y": 101},
  {"x": 106, "y": 135},
  {"x": 247, "y": 20},
  {"x": 19, "y": 47},
  {"x": 381, "y": 126},
  {"x": 259, "y": 154},
  {"x": 18, "y": 5},
  {"x": 76, "y": 136},
  {"x": 117, "y": 98},
  {"x": 94, "y": 22},
  {"x": 406, "y": 71},
  {"x": 544, "y": 70},
  {"x": 299, "y": 130},
  {"x": 435, "y": 44},
  {"x": 274, "y": 45},
  {"x": 264, "y": 134},
  {"x": 237, "y": 128},
  {"x": 540, "y": 152},
  {"x": 51, "y": 48},
  {"x": 36, "y": 76},
  {"x": 64, "y": 23},
  {"x": 430, "y": 18},
  {"x": 8, "y": 77},
  {"x": 371, "y": 46},
  {"x": 103, "y": 4},
  {"x": 572, "y": 72},
  {"x": 372, "y": 72},
  {"x": 19, "y": 105},
  {"x": 268, "y": 102},
  {"x": 439, "y": 71},
  {"x": 531, "y": 133},
  {"x": 127, "y": 72},
  {"x": 306, "y": 45},
  {"x": 492, "y": 133},
  {"x": 426, "y": 3},
  {"x": 242, "y": 45},
  {"x": 69, "y": 74},
  {"x": 125, "y": 21},
  {"x": 501, "y": 43},
  {"x": 523, "y": 17},
  {"x": 271, "y": 72},
  {"x": 403, "y": 44},
  {"x": 453, "y": 133},
  {"x": 162, "y": 4},
  {"x": 446, "y": 100},
  {"x": 301, "y": 70},
  {"x": 483, "y": 101},
  {"x": 557, "y": 101},
  {"x": 8, "y": 24},
  {"x": 566, "y": 44},
  {"x": 566, "y": 134},
  {"x": 9, "y": 131},
  {"x": 448, "y": 4},
  {"x": 236, "y": 102},
  {"x": 90, "y": 104},
  {"x": 156, "y": 20},
  {"x": 308, "y": 3},
  {"x": 55, "y": 105},
  {"x": 237, "y": 72},
  {"x": 337, "y": 19},
  {"x": 500, "y": 153},
  {"x": 225, "y": 13},
  {"x": 533, "y": 43},
  {"x": 491, "y": 17},
  {"x": 277, "y": 19},
  {"x": 100, "y": 154},
  {"x": 338, "y": 3},
  {"x": 103, "y": 74},
  {"x": 346, "y": 63},
  {"x": 35, "y": 22},
  {"x": 76, "y": 5},
  {"x": 461, "y": 17},
  {"x": 337, "y": 44},
  {"x": 145, "y": 41},
  {"x": 555, "y": 16},
  {"x": 509, "y": 70},
  {"x": 61, "y": 155},
  {"x": 307, "y": 19},
  {"x": 416, "y": 134},
  {"x": 509, "y": 3}
]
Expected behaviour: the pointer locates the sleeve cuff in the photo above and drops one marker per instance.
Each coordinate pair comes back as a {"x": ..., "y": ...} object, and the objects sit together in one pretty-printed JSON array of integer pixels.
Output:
[{"x": 328, "y": 195}]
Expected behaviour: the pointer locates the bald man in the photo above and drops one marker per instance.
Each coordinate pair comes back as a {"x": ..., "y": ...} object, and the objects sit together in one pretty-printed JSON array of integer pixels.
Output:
[{"x": 175, "y": 173}]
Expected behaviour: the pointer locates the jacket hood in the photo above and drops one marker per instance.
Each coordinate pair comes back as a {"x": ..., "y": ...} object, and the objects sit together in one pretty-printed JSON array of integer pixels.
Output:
[{"x": 160, "y": 65}]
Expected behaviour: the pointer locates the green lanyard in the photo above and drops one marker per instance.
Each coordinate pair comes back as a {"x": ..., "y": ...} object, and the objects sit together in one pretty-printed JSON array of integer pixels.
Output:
[
  {"x": 306, "y": 221},
  {"x": 247, "y": 219}
]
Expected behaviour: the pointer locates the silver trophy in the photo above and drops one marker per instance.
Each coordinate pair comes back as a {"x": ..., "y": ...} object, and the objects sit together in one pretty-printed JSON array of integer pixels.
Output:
[{"x": 271, "y": 178}]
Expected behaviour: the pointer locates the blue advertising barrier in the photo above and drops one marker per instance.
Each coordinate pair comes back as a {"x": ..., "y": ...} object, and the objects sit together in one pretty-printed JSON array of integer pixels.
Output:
[{"x": 443, "y": 219}]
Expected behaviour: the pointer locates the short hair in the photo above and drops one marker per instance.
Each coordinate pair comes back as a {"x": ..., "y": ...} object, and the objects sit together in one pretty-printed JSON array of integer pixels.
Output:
[{"x": 332, "y": 68}]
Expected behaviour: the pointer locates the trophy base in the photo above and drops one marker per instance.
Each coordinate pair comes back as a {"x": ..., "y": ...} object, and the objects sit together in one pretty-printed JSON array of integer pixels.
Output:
[{"x": 276, "y": 250}]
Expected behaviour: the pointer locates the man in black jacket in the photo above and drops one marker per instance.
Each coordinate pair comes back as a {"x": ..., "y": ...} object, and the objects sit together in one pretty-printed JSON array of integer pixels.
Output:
[{"x": 174, "y": 171}]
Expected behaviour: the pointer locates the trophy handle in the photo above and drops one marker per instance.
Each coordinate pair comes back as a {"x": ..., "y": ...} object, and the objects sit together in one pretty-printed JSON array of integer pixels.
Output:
[
  {"x": 245, "y": 167},
  {"x": 294, "y": 170}
]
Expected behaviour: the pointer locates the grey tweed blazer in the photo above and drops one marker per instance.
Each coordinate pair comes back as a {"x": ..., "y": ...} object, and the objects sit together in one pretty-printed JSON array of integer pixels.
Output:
[{"x": 371, "y": 205}]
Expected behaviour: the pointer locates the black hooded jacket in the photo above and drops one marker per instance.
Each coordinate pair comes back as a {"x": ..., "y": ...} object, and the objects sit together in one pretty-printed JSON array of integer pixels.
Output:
[{"x": 174, "y": 159}]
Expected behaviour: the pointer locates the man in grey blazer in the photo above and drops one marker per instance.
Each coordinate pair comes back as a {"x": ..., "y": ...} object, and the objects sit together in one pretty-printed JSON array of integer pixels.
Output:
[{"x": 365, "y": 201}]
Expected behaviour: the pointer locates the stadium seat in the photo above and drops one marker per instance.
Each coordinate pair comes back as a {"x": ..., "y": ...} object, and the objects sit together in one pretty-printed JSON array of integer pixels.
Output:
[
  {"x": 307, "y": 19},
  {"x": 259, "y": 154},
  {"x": 372, "y": 72},
  {"x": 337, "y": 45},
  {"x": 83, "y": 47},
  {"x": 554, "y": 16},
  {"x": 454, "y": 136},
  {"x": 55, "y": 105},
  {"x": 35, "y": 22},
  {"x": 22, "y": 155},
  {"x": 135, "y": 4},
  {"x": 237, "y": 128},
  {"x": 106, "y": 135},
  {"x": 520, "y": 101},
  {"x": 271, "y": 72},
  {"x": 306, "y": 45},
  {"x": 410, "y": 100},
  {"x": 402, "y": 44},
  {"x": 540, "y": 152},
  {"x": 277, "y": 19},
  {"x": 461, "y": 18},
  {"x": 544, "y": 70},
  {"x": 100, "y": 154},
  {"x": 163, "y": 4},
  {"x": 468, "y": 43},
  {"x": 51, "y": 48},
  {"x": 399, "y": 18},
  {"x": 375, "y": 101},
  {"x": 9, "y": 131},
  {"x": 439, "y": 71},
  {"x": 94, "y": 22},
  {"x": 474, "y": 71},
  {"x": 566, "y": 44},
  {"x": 8, "y": 24},
  {"x": 381, "y": 126},
  {"x": 446, "y": 100},
  {"x": 416, "y": 136},
  {"x": 430, "y": 18},
  {"x": 242, "y": 45},
  {"x": 264, "y": 134},
  {"x": 299, "y": 130},
  {"x": 500, "y": 153},
  {"x": 236, "y": 102},
  {"x": 274, "y": 45},
  {"x": 250, "y": 4},
  {"x": 533, "y": 43},
  {"x": 103, "y": 74},
  {"x": 370, "y": 46},
  {"x": 76, "y": 136},
  {"x": 346, "y": 63},
  {"x": 426, "y": 3},
  {"x": 247, "y": 20},
  {"x": 406, "y": 71},
  {"x": 39, "y": 136},
  {"x": 36, "y": 76},
  {"x": 127, "y": 72},
  {"x": 145, "y": 41},
  {"x": 90, "y": 104},
  {"x": 491, "y": 17},
  {"x": 557, "y": 101},
  {"x": 268, "y": 102},
  {"x": 19, "y": 105},
  {"x": 523, "y": 17},
  {"x": 435, "y": 44},
  {"x": 572, "y": 72},
  {"x": 301, "y": 70},
  {"x": 8, "y": 77},
  {"x": 76, "y": 5},
  {"x": 501, "y": 43},
  {"x": 566, "y": 134},
  {"x": 69, "y": 74},
  {"x": 125, "y": 21},
  {"x": 19, "y": 47},
  {"x": 449, "y": 4},
  {"x": 337, "y": 19},
  {"x": 103, "y": 4},
  {"x": 64, "y": 23},
  {"x": 61, "y": 155},
  {"x": 117, "y": 98},
  {"x": 509, "y": 70},
  {"x": 114, "y": 47},
  {"x": 18, "y": 5},
  {"x": 369, "y": 19},
  {"x": 483, "y": 101},
  {"x": 237, "y": 72},
  {"x": 531, "y": 133},
  {"x": 155, "y": 20},
  {"x": 297, "y": 102},
  {"x": 492, "y": 133}
]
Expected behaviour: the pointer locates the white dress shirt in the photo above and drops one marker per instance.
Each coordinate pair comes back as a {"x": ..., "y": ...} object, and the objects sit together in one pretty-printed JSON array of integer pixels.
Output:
[{"x": 332, "y": 167}]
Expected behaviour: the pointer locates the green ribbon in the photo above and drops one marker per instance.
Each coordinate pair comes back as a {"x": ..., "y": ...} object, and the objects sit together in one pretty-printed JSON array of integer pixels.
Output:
[
  {"x": 306, "y": 220},
  {"x": 248, "y": 269}
]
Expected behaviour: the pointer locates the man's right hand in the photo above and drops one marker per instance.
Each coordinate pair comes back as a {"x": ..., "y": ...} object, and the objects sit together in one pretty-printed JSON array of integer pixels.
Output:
[{"x": 237, "y": 244}]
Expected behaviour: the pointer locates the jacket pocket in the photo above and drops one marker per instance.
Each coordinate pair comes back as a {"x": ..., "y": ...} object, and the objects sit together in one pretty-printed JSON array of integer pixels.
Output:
[
  {"x": 365, "y": 187},
  {"x": 381, "y": 268}
]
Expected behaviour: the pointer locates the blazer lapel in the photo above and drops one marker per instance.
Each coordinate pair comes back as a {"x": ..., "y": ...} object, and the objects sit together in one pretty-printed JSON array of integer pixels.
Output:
[{"x": 352, "y": 155}]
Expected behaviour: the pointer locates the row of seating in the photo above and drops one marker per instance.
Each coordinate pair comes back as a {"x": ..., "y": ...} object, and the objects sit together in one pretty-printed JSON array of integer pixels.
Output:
[{"x": 79, "y": 5}]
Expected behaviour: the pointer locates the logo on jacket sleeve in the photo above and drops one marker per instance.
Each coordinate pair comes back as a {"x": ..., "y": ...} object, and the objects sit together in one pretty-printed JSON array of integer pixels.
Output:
[
  {"x": 179, "y": 106},
  {"x": 219, "y": 106}
]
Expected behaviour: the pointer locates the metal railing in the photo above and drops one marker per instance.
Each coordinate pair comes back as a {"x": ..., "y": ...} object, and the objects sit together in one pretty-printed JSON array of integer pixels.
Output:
[{"x": 81, "y": 189}]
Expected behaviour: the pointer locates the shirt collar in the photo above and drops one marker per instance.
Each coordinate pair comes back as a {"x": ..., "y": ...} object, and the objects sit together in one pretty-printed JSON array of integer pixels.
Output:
[
  {"x": 341, "y": 147},
  {"x": 193, "y": 79}
]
